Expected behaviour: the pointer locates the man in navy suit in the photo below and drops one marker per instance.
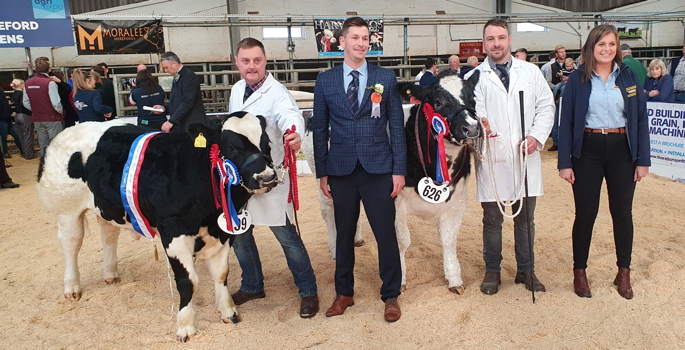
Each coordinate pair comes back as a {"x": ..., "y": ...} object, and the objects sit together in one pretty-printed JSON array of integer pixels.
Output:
[
  {"x": 185, "y": 100},
  {"x": 431, "y": 70},
  {"x": 362, "y": 161}
]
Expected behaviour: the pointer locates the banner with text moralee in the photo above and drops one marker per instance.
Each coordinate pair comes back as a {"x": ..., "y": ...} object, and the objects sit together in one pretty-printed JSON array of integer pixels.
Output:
[
  {"x": 119, "y": 37},
  {"x": 667, "y": 138},
  {"x": 35, "y": 23}
]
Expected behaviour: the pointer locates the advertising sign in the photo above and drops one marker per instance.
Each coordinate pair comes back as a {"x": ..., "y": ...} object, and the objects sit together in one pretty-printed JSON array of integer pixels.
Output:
[
  {"x": 327, "y": 32},
  {"x": 474, "y": 48},
  {"x": 627, "y": 30},
  {"x": 35, "y": 23},
  {"x": 119, "y": 37},
  {"x": 667, "y": 138}
]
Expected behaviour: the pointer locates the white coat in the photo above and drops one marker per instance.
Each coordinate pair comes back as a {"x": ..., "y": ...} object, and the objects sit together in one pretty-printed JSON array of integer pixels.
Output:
[
  {"x": 503, "y": 113},
  {"x": 274, "y": 102}
]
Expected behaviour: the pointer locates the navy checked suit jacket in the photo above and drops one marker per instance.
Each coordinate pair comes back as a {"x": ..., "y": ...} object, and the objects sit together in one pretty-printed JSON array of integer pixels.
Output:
[{"x": 342, "y": 138}]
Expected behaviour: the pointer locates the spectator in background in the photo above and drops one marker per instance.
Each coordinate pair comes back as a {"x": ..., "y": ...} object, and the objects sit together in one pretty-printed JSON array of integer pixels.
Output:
[
  {"x": 454, "y": 64},
  {"x": 677, "y": 70},
  {"x": 428, "y": 78},
  {"x": 658, "y": 85},
  {"x": 106, "y": 87},
  {"x": 558, "y": 64},
  {"x": 547, "y": 68},
  {"x": 558, "y": 91},
  {"x": 41, "y": 97},
  {"x": 105, "y": 69},
  {"x": 71, "y": 83},
  {"x": 420, "y": 75},
  {"x": 634, "y": 64},
  {"x": 67, "y": 98},
  {"x": 521, "y": 54},
  {"x": 23, "y": 120},
  {"x": 6, "y": 125},
  {"x": 5, "y": 179},
  {"x": 87, "y": 99},
  {"x": 471, "y": 62},
  {"x": 147, "y": 93}
]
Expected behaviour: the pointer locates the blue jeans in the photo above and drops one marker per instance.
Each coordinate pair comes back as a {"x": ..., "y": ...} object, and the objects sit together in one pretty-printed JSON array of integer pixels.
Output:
[
  {"x": 555, "y": 128},
  {"x": 680, "y": 98},
  {"x": 492, "y": 236},
  {"x": 295, "y": 254}
]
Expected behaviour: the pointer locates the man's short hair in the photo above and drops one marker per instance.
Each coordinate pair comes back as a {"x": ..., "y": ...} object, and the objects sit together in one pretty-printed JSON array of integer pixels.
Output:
[
  {"x": 99, "y": 70},
  {"x": 559, "y": 47},
  {"x": 472, "y": 60},
  {"x": 521, "y": 50},
  {"x": 103, "y": 64},
  {"x": 430, "y": 62},
  {"x": 249, "y": 43},
  {"x": 170, "y": 56},
  {"x": 496, "y": 22},
  {"x": 353, "y": 22},
  {"x": 625, "y": 48},
  {"x": 42, "y": 65},
  {"x": 553, "y": 54}
]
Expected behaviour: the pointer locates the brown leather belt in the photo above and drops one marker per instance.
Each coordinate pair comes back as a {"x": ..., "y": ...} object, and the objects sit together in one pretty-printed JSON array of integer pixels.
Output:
[{"x": 606, "y": 131}]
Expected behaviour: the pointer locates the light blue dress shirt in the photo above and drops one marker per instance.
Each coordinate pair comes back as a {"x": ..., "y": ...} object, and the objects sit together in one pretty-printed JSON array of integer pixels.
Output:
[
  {"x": 606, "y": 106},
  {"x": 363, "y": 78}
]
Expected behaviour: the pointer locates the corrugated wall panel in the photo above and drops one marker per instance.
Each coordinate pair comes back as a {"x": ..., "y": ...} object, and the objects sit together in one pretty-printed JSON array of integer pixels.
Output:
[
  {"x": 82, "y": 6},
  {"x": 585, "y": 6}
]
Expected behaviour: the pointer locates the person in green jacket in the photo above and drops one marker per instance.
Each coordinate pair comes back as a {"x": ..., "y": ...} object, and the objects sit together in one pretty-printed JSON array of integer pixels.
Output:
[{"x": 634, "y": 64}]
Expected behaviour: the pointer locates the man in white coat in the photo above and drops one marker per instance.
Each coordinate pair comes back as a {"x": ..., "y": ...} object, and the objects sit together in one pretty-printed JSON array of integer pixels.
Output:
[
  {"x": 502, "y": 77},
  {"x": 261, "y": 94}
]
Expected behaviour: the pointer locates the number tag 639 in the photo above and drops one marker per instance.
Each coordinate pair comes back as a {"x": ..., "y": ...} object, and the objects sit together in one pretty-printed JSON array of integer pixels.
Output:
[
  {"x": 432, "y": 193},
  {"x": 244, "y": 222}
]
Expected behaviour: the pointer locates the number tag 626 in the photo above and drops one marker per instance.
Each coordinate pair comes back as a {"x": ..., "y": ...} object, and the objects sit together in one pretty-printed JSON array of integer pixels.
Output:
[
  {"x": 244, "y": 223},
  {"x": 432, "y": 193}
]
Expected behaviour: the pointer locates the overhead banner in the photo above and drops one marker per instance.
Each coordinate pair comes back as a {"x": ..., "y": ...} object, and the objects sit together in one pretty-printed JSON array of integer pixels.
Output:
[
  {"x": 118, "y": 37},
  {"x": 327, "y": 32},
  {"x": 667, "y": 138},
  {"x": 473, "y": 48},
  {"x": 35, "y": 23},
  {"x": 627, "y": 30}
]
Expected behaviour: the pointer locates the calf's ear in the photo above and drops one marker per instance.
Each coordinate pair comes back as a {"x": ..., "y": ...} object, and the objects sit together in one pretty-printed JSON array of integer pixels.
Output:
[{"x": 407, "y": 90}]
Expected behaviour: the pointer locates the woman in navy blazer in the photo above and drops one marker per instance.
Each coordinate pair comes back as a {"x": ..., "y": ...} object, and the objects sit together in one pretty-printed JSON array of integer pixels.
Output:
[
  {"x": 604, "y": 134},
  {"x": 87, "y": 100},
  {"x": 659, "y": 85}
]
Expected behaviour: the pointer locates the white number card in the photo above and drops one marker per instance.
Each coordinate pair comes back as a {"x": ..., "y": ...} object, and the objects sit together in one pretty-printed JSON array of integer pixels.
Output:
[
  {"x": 432, "y": 193},
  {"x": 244, "y": 222}
]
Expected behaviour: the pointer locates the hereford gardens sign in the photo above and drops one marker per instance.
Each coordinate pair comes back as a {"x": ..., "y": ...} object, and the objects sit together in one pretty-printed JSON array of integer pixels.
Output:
[
  {"x": 118, "y": 37},
  {"x": 35, "y": 23}
]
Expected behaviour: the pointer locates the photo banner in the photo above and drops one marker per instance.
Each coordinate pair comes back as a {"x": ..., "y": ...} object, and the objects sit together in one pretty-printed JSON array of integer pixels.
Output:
[
  {"x": 118, "y": 37},
  {"x": 327, "y": 32},
  {"x": 667, "y": 139},
  {"x": 627, "y": 30},
  {"x": 471, "y": 48},
  {"x": 36, "y": 23}
]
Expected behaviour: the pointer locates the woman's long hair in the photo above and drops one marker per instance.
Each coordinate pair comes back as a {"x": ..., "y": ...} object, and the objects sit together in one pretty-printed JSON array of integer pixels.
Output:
[
  {"x": 146, "y": 81},
  {"x": 588, "y": 50},
  {"x": 79, "y": 77}
]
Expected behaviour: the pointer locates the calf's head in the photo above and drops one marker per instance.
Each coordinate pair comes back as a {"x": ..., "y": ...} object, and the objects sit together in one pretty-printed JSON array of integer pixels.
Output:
[{"x": 453, "y": 98}]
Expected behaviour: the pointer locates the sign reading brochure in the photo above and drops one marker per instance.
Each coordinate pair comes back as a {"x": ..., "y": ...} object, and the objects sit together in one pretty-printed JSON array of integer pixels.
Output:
[
  {"x": 327, "y": 31},
  {"x": 667, "y": 138},
  {"x": 35, "y": 23},
  {"x": 119, "y": 37}
]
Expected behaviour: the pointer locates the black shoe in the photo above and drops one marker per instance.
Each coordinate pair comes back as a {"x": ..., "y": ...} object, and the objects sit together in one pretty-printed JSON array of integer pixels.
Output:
[
  {"x": 490, "y": 283},
  {"x": 9, "y": 185},
  {"x": 309, "y": 306},
  {"x": 553, "y": 148},
  {"x": 240, "y": 297},
  {"x": 7, "y": 155}
]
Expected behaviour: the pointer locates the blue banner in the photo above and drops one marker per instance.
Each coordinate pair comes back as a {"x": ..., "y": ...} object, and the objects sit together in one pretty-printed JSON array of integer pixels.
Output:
[{"x": 35, "y": 23}]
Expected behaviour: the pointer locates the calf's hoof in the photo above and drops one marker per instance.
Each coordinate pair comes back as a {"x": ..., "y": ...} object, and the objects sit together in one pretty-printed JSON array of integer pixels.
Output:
[
  {"x": 112, "y": 280},
  {"x": 73, "y": 296},
  {"x": 184, "y": 334},
  {"x": 233, "y": 319},
  {"x": 359, "y": 244},
  {"x": 459, "y": 290}
]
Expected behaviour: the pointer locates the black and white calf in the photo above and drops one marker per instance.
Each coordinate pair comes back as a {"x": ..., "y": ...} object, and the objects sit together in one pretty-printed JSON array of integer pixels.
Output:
[
  {"x": 453, "y": 98},
  {"x": 82, "y": 171}
]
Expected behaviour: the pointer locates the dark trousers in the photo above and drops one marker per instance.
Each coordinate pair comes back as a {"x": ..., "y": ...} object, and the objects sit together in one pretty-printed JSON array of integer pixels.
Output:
[
  {"x": 26, "y": 131},
  {"x": 7, "y": 129},
  {"x": 374, "y": 191},
  {"x": 523, "y": 242},
  {"x": 603, "y": 157}
]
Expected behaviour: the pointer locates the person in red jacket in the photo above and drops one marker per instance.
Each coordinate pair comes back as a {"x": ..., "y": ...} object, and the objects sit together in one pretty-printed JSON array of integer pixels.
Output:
[{"x": 41, "y": 97}]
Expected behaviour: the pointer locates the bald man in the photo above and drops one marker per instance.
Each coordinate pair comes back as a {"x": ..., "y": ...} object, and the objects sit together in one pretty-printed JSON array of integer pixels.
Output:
[{"x": 454, "y": 64}]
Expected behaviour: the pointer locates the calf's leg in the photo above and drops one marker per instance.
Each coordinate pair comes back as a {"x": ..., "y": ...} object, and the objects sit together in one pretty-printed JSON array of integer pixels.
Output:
[
  {"x": 448, "y": 227},
  {"x": 403, "y": 236},
  {"x": 180, "y": 254},
  {"x": 70, "y": 235},
  {"x": 218, "y": 269},
  {"x": 110, "y": 237}
]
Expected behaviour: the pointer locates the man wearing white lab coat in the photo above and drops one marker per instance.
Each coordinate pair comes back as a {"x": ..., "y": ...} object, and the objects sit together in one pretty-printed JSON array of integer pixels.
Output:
[
  {"x": 261, "y": 94},
  {"x": 497, "y": 102}
]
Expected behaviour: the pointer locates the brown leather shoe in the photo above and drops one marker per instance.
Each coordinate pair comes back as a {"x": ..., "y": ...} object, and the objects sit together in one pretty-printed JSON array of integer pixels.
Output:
[
  {"x": 340, "y": 303},
  {"x": 240, "y": 297},
  {"x": 622, "y": 281},
  {"x": 309, "y": 306},
  {"x": 531, "y": 281},
  {"x": 392, "y": 310},
  {"x": 580, "y": 285},
  {"x": 490, "y": 283}
]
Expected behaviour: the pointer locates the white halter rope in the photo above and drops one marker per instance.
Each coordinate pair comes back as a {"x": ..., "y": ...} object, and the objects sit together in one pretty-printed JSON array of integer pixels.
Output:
[{"x": 523, "y": 160}]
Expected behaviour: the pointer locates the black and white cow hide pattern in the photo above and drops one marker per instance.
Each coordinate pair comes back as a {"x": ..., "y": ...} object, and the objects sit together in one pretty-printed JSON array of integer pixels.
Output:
[{"x": 82, "y": 171}]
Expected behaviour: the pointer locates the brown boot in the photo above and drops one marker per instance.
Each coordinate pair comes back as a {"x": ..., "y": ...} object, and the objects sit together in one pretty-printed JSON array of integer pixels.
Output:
[
  {"x": 622, "y": 282},
  {"x": 580, "y": 285},
  {"x": 490, "y": 283},
  {"x": 531, "y": 281},
  {"x": 340, "y": 303}
]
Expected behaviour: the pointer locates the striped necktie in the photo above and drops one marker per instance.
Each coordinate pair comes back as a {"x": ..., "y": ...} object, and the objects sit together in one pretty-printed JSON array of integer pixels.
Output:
[
  {"x": 352, "y": 91},
  {"x": 504, "y": 75},
  {"x": 248, "y": 93}
]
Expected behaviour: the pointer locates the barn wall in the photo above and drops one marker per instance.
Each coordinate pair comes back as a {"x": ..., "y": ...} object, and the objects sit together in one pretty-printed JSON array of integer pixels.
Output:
[{"x": 195, "y": 44}]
